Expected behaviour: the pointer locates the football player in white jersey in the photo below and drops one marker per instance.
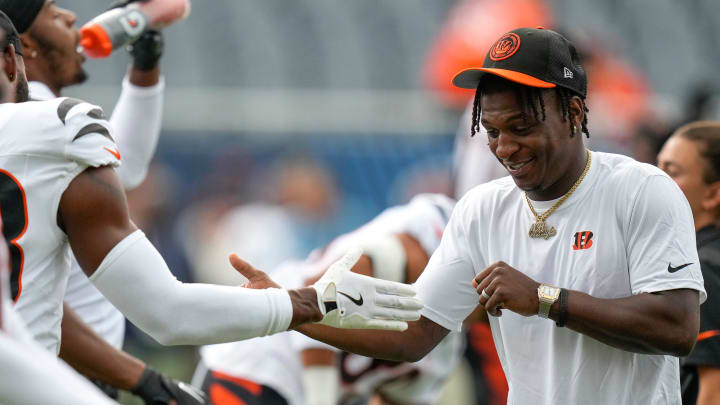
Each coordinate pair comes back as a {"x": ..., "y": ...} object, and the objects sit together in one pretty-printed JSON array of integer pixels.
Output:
[
  {"x": 268, "y": 371},
  {"x": 59, "y": 191},
  {"x": 22, "y": 360},
  {"x": 49, "y": 35},
  {"x": 589, "y": 257},
  {"x": 24, "y": 363}
]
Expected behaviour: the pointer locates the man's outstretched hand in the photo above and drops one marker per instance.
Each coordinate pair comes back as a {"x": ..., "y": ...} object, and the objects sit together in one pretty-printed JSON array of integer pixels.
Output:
[
  {"x": 354, "y": 301},
  {"x": 349, "y": 300},
  {"x": 257, "y": 279}
]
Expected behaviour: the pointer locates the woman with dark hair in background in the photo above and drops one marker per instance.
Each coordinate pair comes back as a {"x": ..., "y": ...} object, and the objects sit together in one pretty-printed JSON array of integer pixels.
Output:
[{"x": 692, "y": 158}]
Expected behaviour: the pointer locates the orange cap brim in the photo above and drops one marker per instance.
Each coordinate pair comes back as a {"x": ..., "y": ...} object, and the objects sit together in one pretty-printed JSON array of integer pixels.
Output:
[{"x": 470, "y": 78}]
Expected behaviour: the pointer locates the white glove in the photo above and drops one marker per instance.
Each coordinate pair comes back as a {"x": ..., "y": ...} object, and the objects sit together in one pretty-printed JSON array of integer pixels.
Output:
[{"x": 353, "y": 301}]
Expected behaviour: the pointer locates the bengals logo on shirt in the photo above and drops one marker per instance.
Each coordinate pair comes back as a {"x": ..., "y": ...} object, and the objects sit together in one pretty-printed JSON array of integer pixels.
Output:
[
  {"x": 583, "y": 240},
  {"x": 505, "y": 47}
]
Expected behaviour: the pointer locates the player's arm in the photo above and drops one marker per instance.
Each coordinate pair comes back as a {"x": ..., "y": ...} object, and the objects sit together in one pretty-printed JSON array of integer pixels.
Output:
[
  {"x": 93, "y": 357},
  {"x": 134, "y": 277},
  {"x": 709, "y": 386},
  {"x": 412, "y": 344},
  {"x": 129, "y": 271},
  {"x": 137, "y": 117}
]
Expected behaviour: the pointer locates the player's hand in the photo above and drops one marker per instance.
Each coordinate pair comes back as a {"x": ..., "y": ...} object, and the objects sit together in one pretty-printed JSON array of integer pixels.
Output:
[
  {"x": 353, "y": 301},
  {"x": 157, "y": 389},
  {"x": 257, "y": 279},
  {"x": 147, "y": 50},
  {"x": 506, "y": 287}
]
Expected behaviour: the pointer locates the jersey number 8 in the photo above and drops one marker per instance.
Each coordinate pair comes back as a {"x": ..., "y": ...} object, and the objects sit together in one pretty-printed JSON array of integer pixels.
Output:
[{"x": 13, "y": 210}]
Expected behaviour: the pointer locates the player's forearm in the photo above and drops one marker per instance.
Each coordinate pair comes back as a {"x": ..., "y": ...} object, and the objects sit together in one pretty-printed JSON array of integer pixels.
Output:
[
  {"x": 411, "y": 345},
  {"x": 135, "y": 278},
  {"x": 665, "y": 323},
  {"x": 709, "y": 386},
  {"x": 93, "y": 357},
  {"x": 304, "y": 306},
  {"x": 136, "y": 122},
  {"x": 144, "y": 78}
]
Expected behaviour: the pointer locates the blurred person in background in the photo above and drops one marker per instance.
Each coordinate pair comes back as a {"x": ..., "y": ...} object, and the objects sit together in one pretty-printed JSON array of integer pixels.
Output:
[
  {"x": 268, "y": 370},
  {"x": 692, "y": 158},
  {"x": 297, "y": 198},
  {"x": 53, "y": 62},
  {"x": 652, "y": 134}
]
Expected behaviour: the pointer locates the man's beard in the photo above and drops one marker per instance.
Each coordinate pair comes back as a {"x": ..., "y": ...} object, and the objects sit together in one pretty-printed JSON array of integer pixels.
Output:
[
  {"x": 22, "y": 93},
  {"x": 56, "y": 57}
]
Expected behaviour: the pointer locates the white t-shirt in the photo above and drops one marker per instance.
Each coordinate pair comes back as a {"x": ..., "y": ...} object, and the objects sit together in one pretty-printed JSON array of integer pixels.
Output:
[
  {"x": 424, "y": 218},
  {"x": 43, "y": 146},
  {"x": 640, "y": 222}
]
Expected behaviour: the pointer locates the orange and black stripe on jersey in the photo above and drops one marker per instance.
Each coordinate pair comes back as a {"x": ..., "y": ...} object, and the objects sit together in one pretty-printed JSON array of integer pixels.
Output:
[{"x": 225, "y": 389}]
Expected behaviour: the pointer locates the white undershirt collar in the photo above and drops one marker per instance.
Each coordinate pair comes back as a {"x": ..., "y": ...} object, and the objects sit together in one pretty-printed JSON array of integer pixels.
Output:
[{"x": 40, "y": 91}]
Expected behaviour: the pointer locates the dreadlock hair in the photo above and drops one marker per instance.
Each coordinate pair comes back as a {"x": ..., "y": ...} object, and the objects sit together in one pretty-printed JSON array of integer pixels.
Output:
[{"x": 531, "y": 101}]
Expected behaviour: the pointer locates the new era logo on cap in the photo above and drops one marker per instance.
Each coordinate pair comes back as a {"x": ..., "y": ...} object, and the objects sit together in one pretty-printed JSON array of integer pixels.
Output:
[{"x": 567, "y": 73}]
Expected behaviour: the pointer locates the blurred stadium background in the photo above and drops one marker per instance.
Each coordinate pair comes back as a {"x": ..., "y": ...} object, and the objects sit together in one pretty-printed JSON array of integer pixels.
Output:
[{"x": 287, "y": 123}]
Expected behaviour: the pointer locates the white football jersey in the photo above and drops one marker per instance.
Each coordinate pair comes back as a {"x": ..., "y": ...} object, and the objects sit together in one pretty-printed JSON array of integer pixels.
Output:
[
  {"x": 43, "y": 146},
  {"x": 424, "y": 218},
  {"x": 400, "y": 382},
  {"x": 268, "y": 360}
]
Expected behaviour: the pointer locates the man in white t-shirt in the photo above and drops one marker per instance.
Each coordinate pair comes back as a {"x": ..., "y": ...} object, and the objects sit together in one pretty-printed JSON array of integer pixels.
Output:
[{"x": 602, "y": 245}]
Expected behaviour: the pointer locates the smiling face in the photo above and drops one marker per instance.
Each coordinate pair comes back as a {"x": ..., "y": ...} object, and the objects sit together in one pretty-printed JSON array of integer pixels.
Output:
[
  {"x": 51, "y": 45},
  {"x": 540, "y": 155}
]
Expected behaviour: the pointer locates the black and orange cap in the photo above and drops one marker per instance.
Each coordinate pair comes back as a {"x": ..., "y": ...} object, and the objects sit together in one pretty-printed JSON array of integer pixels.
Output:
[{"x": 533, "y": 57}]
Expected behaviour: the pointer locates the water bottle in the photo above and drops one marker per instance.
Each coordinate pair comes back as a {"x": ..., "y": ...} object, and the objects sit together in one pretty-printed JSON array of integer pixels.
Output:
[{"x": 118, "y": 27}]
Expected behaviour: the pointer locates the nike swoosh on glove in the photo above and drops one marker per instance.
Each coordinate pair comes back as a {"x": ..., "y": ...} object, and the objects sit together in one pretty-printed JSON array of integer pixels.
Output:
[{"x": 354, "y": 301}]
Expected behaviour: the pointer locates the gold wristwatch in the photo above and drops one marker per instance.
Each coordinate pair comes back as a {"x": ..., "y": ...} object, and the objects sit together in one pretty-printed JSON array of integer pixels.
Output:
[{"x": 547, "y": 294}]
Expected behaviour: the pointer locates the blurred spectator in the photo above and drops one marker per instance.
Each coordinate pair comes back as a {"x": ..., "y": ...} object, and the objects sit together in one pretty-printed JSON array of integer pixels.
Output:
[
  {"x": 283, "y": 214},
  {"x": 692, "y": 158},
  {"x": 470, "y": 29},
  {"x": 651, "y": 134}
]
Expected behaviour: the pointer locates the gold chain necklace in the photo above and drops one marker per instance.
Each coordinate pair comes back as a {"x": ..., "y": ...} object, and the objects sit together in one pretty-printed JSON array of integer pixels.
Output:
[{"x": 539, "y": 228}]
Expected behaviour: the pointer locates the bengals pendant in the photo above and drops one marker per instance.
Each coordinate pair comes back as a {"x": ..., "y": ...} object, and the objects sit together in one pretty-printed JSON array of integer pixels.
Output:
[{"x": 540, "y": 230}]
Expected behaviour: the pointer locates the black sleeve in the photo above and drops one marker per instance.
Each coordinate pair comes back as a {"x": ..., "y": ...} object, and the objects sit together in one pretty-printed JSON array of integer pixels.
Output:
[{"x": 707, "y": 348}]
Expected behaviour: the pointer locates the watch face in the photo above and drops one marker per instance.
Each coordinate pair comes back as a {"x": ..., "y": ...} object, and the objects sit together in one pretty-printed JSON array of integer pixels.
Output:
[{"x": 548, "y": 292}]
